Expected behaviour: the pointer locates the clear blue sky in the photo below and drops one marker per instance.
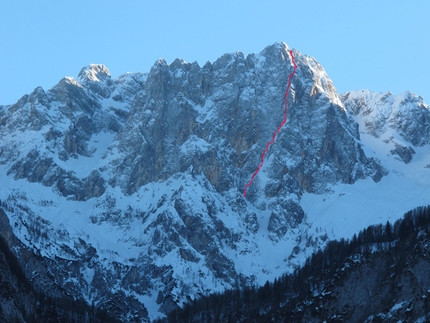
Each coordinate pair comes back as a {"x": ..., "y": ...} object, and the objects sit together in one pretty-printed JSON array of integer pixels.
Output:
[{"x": 378, "y": 45}]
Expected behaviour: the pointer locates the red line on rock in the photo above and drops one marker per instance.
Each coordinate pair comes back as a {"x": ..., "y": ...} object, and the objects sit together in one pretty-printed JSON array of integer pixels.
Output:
[{"x": 277, "y": 130}]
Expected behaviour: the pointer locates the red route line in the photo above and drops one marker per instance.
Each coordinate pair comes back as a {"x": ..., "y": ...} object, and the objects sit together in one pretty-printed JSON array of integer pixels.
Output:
[{"x": 277, "y": 130}]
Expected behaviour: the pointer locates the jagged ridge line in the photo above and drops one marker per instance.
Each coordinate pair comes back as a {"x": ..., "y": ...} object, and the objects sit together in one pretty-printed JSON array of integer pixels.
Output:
[{"x": 275, "y": 134}]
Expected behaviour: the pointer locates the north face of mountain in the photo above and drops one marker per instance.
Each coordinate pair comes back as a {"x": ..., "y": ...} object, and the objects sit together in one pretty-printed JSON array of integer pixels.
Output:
[
  {"x": 129, "y": 190},
  {"x": 218, "y": 118}
]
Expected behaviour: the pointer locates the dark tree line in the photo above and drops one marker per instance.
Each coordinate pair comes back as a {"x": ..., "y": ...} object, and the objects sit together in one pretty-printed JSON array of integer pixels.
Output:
[{"x": 278, "y": 299}]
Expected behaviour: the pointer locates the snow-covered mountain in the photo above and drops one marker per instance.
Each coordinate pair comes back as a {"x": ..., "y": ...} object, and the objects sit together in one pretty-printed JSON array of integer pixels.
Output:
[{"x": 129, "y": 191}]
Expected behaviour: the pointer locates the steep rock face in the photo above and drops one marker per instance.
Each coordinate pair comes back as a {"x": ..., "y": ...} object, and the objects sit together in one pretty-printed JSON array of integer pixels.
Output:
[{"x": 218, "y": 119}]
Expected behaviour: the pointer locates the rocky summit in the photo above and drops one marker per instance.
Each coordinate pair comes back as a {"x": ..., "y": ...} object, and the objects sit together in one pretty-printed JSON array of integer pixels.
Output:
[{"x": 127, "y": 193}]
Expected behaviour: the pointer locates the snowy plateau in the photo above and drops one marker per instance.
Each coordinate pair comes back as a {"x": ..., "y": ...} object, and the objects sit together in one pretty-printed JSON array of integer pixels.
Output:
[{"x": 128, "y": 193}]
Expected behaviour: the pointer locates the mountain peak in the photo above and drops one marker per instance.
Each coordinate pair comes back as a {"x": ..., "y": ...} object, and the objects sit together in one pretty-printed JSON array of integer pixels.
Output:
[
  {"x": 276, "y": 47},
  {"x": 97, "y": 78},
  {"x": 284, "y": 45},
  {"x": 94, "y": 72}
]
